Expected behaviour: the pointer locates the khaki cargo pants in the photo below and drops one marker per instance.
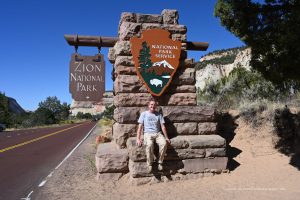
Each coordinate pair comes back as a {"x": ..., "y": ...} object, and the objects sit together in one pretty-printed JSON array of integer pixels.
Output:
[{"x": 149, "y": 142}]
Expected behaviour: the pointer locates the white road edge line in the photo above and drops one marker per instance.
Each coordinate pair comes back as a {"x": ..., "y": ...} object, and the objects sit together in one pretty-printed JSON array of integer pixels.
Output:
[
  {"x": 50, "y": 174},
  {"x": 28, "y": 196},
  {"x": 75, "y": 148},
  {"x": 42, "y": 183},
  {"x": 45, "y": 180}
]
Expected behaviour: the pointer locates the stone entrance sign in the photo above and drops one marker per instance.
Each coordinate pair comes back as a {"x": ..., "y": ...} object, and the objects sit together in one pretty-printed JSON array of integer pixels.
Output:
[
  {"x": 145, "y": 51},
  {"x": 156, "y": 59},
  {"x": 87, "y": 77}
]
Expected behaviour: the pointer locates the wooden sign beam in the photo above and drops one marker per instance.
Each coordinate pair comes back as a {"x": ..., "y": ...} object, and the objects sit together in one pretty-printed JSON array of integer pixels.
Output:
[
  {"x": 91, "y": 41},
  {"x": 100, "y": 41}
]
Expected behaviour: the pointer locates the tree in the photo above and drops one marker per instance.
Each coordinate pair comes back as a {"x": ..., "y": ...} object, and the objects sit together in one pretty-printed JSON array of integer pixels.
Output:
[
  {"x": 51, "y": 111},
  {"x": 4, "y": 112},
  {"x": 65, "y": 111},
  {"x": 81, "y": 115},
  {"x": 144, "y": 58},
  {"x": 109, "y": 112},
  {"x": 272, "y": 30},
  {"x": 44, "y": 116}
]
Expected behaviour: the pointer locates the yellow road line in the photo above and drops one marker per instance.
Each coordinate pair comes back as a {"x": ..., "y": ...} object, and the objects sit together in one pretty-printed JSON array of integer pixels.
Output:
[{"x": 36, "y": 139}]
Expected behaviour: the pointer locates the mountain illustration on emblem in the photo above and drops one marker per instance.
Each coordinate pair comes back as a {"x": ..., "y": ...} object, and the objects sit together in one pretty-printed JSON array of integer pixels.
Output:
[
  {"x": 162, "y": 68},
  {"x": 163, "y": 63}
]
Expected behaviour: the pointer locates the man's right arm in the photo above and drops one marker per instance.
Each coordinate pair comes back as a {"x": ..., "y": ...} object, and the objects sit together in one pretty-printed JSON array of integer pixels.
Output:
[{"x": 138, "y": 135}]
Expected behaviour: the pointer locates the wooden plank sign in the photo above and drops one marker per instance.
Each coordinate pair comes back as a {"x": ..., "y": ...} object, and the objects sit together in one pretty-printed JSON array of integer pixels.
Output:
[
  {"x": 156, "y": 59},
  {"x": 87, "y": 77}
]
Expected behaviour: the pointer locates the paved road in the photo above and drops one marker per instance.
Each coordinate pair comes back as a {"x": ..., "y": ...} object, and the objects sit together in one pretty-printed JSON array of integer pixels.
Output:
[{"x": 28, "y": 156}]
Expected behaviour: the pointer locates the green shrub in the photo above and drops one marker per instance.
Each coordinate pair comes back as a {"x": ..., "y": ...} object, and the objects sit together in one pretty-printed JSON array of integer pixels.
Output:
[
  {"x": 109, "y": 111},
  {"x": 240, "y": 85},
  {"x": 81, "y": 115}
]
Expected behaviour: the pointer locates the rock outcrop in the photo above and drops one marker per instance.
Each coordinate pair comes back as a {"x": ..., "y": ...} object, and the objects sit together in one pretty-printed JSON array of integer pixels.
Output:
[
  {"x": 93, "y": 108},
  {"x": 212, "y": 71},
  {"x": 14, "y": 107}
]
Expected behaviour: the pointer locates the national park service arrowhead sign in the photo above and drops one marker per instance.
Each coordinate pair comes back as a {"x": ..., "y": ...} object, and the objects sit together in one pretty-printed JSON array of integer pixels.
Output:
[{"x": 156, "y": 59}]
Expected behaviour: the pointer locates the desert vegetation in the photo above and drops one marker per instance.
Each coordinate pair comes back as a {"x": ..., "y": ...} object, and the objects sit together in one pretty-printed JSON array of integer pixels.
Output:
[{"x": 259, "y": 101}]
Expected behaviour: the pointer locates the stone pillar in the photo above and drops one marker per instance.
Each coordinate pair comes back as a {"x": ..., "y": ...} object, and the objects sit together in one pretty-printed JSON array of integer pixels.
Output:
[{"x": 191, "y": 127}]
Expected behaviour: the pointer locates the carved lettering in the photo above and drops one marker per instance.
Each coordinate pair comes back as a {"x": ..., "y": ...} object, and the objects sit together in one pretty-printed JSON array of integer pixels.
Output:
[{"x": 87, "y": 78}]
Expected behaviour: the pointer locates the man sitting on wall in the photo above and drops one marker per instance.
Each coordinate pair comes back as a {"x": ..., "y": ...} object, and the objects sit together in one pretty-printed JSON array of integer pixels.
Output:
[{"x": 153, "y": 124}]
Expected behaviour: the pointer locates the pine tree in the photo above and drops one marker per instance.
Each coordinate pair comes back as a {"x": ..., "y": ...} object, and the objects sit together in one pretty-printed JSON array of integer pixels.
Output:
[{"x": 144, "y": 58}]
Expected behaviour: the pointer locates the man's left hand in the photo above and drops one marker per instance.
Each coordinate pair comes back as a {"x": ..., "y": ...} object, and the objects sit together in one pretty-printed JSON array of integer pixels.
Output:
[{"x": 168, "y": 140}]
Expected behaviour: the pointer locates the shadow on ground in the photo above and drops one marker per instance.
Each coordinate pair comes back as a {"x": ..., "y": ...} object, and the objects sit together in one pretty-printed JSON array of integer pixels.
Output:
[
  {"x": 287, "y": 128},
  {"x": 226, "y": 128}
]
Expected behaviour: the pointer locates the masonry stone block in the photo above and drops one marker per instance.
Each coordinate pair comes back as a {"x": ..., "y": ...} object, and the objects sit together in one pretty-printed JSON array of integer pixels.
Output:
[
  {"x": 170, "y": 16},
  {"x": 124, "y": 70},
  {"x": 179, "y": 37},
  {"x": 184, "y": 76},
  {"x": 111, "y": 55},
  {"x": 128, "y": 17},
  {"x": 175, "y": 114},
  {"x": 215, "y": 152},
  {"x": 127, "y": 115},
  {"x": 122, "y": 48},
  {"x": 128, "y": 29},
  {"x": 124, "y": 60},
  {"x": 128, "y": 84},
  {"x": 175, "y": 28},
  {"x": 207, "y": 128},
  {"x": 139, "y": 169},
  {"x": 187, "y": 63},
  {"x": 189, "y": 128},
  {"x": 171, "y": 89},
  {"x": 110, "y": 159},
  {"x": 201, "y": 164},
  {"x": 145, "y": 18},
  {"x": 138, "y": 154},
  {"x": 141, "y": 99},
  {"x": 189, "y": 113},
  {"x": 206, "y": 141},
  {"x": 146, "y": 26},
  {"x": 121, "y": 132}
]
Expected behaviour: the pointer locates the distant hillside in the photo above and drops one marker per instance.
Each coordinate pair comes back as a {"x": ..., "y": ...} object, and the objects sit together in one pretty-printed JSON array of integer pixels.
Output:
[
  {"x": 218, "y": 64},
  {"x": 14, "y": 107},
  {"x": 10, "y": 110}
]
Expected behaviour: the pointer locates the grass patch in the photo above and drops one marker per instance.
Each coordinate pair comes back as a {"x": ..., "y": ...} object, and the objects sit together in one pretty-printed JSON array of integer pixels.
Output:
[{"x": 105, "y": 122}]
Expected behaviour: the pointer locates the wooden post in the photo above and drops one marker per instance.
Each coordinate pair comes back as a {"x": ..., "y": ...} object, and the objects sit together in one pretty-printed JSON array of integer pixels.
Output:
[{"x": 100, "y": 41}]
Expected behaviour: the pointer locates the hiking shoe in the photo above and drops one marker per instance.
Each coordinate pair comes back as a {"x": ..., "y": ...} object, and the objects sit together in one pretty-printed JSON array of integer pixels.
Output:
[
  {"x": 160, "y": 167},
  {"x": 149, "y": 169}
]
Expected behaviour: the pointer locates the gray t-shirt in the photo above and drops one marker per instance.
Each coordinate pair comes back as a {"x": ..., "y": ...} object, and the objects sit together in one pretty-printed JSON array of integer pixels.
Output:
[{"x": 151, "y": 121}]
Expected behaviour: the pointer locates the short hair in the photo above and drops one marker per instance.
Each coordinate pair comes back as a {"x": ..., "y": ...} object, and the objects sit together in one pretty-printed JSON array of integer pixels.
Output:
[{"x": 152, "y": 99}]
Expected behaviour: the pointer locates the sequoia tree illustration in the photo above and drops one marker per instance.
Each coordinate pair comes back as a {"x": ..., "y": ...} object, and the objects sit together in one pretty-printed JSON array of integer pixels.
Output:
[{"x": 144, "y": 58}]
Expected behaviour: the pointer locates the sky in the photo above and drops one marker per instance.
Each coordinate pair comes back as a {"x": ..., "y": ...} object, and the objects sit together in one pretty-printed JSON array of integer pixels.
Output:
[{"x": 35, "y": 57}]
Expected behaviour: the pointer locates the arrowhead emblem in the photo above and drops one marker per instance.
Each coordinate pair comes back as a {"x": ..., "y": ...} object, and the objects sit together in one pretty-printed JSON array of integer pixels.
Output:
[{"x": 156, "y": 59}]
